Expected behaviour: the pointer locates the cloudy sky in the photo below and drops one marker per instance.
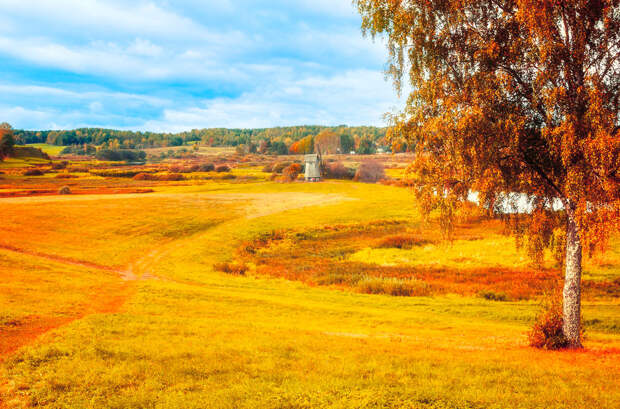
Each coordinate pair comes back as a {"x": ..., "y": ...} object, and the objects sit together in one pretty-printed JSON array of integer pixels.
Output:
[{"x": 170, "y": 65}]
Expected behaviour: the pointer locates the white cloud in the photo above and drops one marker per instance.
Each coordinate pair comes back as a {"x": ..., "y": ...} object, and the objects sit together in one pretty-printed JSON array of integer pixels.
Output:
[
  {"x": 17, "y": 114},
  {"x": 338, "y": 8},
  {"x": 12, "y": 91},
  {"x": 144, "y": 48},
  {"x": 358, "y": 97},
  {"x": 290, "y": 65},
  {"x": 354, "y": 98},
  {"x": 109, "y": 59},
  {"x": 109, "y": 17}
]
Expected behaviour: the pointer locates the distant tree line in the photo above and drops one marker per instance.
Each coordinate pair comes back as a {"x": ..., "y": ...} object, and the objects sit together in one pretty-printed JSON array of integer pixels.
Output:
[{"x": 278, "y": 140}]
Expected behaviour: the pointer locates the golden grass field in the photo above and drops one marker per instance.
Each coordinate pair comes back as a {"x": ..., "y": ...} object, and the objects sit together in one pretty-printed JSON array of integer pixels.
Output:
[{"x": 114, "y": 301}]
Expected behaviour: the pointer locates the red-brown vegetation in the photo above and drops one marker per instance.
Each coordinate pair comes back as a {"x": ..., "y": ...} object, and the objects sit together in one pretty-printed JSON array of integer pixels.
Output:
[
  {"x": 231, "y": 268},
  {"x": 319, "y": 257},
  {"x": 144, "y": 176},
  {"x": 207, "y": 167},
  {"x": 33, "y": 172},
  {"x": 170, "y": 177},
  {"x": 370, "y": 171},
  {"x": 547, "y": 330},
  {"x": 403, "y": 241},
  {"x": 60, "y": 165},
  {"x": 280, "y": 166},
  {"x": 290, "y": 173},
  {"x": 336, "y": 170}
]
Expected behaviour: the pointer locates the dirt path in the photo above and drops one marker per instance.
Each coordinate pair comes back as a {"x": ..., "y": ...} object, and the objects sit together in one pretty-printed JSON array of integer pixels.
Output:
[
  {"x": 124, "y": 274},
  {"x": 16, "y": 334},
  {"x": 265, "y": 204},
  {"x": 260, "y": 204},
  {"x": 68, "y": 198},
  {"x": 29, "y": 329}
]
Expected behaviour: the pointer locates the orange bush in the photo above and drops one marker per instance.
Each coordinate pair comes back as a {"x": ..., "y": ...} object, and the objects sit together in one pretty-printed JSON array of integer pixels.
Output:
[
  {"x": 291, "y": 172},
  {"x": 231, "y": 268},
  {"x": 547, "y": 330},
  {"x": 144, "y": 176},
  {"x": 280, "y": 166}
]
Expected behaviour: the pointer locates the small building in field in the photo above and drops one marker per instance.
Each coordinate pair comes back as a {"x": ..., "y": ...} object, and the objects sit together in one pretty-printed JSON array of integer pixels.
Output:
[{"x": 312, "y": 168}]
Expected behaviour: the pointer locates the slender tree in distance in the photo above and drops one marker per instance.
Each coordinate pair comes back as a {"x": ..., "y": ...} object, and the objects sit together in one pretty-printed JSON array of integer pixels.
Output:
[
  {"x": 7, "y": 140},
  {"x": 327, "y": 142},
  {"x": 512, "y": 96}
]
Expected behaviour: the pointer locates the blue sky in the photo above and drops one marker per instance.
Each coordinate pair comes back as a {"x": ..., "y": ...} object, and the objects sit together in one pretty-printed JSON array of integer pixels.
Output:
[{"x": 165, "y": 65}]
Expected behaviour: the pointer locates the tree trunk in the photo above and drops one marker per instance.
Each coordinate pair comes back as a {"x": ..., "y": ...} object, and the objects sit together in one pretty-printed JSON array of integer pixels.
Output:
[{"x": 572, "y": 283}]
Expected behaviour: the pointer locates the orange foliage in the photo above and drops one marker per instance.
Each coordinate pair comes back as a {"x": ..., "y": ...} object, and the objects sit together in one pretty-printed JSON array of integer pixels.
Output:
[
  {"x": 291, "y": 172},
  {"x": 519, "y": 96},
  {"x": 305, "y": 145},
  {"x": 327, "y": 142}
]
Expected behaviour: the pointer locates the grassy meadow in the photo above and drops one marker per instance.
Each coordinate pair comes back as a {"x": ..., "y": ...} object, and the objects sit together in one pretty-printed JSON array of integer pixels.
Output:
[{"x": 242, "y": 292}]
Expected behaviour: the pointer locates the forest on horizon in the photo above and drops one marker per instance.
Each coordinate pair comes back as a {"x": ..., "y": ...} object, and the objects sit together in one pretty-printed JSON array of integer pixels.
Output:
[{"x": 283, "y": 136}]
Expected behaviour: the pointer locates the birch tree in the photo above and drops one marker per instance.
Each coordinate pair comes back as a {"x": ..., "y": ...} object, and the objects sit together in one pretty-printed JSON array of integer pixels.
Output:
[{"x": 512, "y": 96}]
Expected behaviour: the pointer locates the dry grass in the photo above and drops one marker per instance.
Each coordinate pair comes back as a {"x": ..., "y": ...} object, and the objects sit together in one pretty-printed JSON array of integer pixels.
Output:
[{"x": 185, "y": 335}]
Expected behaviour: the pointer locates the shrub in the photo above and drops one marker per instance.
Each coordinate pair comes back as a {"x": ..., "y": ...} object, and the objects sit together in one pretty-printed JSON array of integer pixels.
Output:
[
  {"x": 33, "y": 172},
  {"x": 268, "y": 168},
  {"x": 370, "y": 171},
  {"x": 228, "y": 176},
  {"x": 222, "y": 168},
  {"x": 231, "y": 268},
  {"x": 336, "y": 170},
  {"x": 402, "y": 241},
  {"x": 207, "y": 167},
  {"x": 170, "y": 177},
  {"x": 65, "y": 176},
  {"x": 280, "y": 166},
  {"x": 60, "y": 165},
  {"x": 493, "y": 296},
  {"x": 547, "y": 330},
  {"x": 393, "y": 286},
  {"x": 144, "y": 176},
  {"x": 291, "y": 172},
  {"x": 65, "y": 190},
  {"x": 186, "y": 169},
  {"x": 116, "y": 155},
  {"x": 116, "y": 173}
]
